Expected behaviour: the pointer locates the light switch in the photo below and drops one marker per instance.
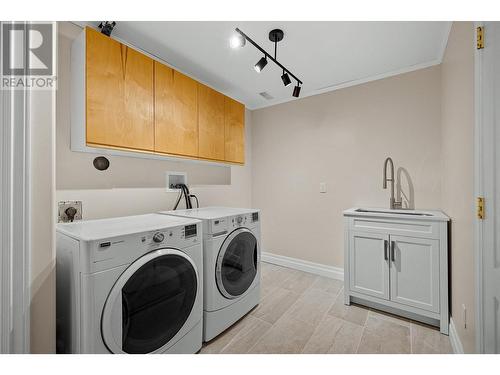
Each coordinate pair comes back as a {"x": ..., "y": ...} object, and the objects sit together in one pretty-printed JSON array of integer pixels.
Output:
[{"x": 322, "y": 187}]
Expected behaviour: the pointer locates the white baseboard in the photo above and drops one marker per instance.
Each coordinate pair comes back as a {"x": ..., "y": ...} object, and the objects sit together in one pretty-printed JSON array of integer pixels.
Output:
[
  {"x": 304, "y": 265},
  {"x": 456, "y": 344}
]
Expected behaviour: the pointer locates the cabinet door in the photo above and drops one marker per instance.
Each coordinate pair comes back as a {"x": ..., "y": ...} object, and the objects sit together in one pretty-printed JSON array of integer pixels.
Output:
[
  {"x": 210, "y": 123},
  {"x": 119, "y": 94},
  {"x": 234, "y": 131},
  {"x": 369, "y": 264},
  {"x": 176, "y": 112},
  {"x": 415, "y": 272}
]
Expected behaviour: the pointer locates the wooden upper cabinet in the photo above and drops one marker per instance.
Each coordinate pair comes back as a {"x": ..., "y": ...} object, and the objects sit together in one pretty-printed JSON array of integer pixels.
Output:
[
  {"x": 124, "y": 99},
  {"x": 119, "y": 94},
  {"x": 234, "y": 116},
  {"x": 210, "y": 123},
  {"x": 176, "y": 112}
]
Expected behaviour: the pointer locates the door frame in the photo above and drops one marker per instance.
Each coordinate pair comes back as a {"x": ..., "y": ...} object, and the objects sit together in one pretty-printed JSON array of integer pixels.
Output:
[
  {"x": 478, "y": 191},
  {"x": 15, "y": 292},
  {"x": 484, "y": 184}
]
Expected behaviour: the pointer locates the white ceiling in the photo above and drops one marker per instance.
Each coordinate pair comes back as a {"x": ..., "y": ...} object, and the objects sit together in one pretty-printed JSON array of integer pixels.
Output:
[{"x": 324, "y": 55}]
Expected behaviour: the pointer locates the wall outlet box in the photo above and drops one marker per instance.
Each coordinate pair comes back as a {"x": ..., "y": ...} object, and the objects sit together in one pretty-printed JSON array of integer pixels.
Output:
[
  {"x": 174, "y": 178},
  {"x": 65, "y": 211}
]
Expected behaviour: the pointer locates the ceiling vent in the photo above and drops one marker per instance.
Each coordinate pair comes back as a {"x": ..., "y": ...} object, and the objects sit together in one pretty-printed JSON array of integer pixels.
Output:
[{"x": 265, "y": 95}]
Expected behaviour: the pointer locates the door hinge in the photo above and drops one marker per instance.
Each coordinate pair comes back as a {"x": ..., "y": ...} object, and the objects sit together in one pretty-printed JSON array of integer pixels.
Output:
[
  {"x": 480, "y": 37},
  {"x": 480, "y": 208}
]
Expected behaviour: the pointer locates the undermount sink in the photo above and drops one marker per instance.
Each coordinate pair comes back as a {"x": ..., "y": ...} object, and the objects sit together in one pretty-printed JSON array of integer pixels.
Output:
[
  {"x": 397, "y": 214},
  {"x": 394, "y": 212}
]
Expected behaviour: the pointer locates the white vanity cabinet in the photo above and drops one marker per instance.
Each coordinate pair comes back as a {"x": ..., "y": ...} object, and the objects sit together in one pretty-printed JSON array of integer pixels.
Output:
[{"x": 397, "y": 261}]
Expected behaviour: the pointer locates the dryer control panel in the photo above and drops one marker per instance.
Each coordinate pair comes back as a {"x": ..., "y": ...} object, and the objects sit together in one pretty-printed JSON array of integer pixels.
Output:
[
  {"x": 240, "y": 220},
  {"x": 224, "y": 225}
]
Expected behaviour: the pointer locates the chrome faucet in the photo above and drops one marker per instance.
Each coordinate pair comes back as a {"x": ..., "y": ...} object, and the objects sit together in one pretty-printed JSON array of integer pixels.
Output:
[{"x": 393, "y": 202}]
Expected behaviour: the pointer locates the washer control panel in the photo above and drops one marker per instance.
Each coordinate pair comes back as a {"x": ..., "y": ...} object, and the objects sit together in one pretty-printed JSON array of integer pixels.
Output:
[
  {"x": 178, "y": 236},
  {"x": 127, "y": 248},
  {"x": 158, "y": 237}
]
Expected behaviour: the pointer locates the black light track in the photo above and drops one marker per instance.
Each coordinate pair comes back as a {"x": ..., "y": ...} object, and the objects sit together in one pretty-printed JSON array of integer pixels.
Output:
[{"x": 269, "y": 56}]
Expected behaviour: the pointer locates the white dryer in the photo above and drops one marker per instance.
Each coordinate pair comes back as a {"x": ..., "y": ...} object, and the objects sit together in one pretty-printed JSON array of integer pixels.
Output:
[
  {"x": 130, "y": 285},
  {"x": 231, "y": 264}
]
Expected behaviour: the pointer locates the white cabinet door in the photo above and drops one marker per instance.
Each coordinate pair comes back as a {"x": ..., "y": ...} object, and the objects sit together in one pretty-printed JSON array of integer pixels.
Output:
[
  {"x": 369, "y": 264},
  {"x": 415, "y": 272}
]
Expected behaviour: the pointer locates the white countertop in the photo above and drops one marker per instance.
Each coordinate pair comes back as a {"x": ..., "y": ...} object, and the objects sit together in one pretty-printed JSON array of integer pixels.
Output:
[
  {"x": 425, "y": 215},
  {"x": 92, "y": 230}
]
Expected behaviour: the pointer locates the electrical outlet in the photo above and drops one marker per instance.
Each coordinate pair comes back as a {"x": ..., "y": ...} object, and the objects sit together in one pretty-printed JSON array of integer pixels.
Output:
[
  {"x": 64, "y": 215},
  {"x": 464, "y": 316},
  {"x": 322, "y": 187}
]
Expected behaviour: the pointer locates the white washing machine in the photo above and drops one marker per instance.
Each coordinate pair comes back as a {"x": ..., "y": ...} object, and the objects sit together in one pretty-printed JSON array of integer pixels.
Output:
[
  {"x": 231, "y": 264},
  {"x": 130, "y": 285}
]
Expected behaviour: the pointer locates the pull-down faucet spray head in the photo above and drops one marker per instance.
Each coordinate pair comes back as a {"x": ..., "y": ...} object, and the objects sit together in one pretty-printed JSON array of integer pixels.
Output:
[
  {"x": 384, "y": 184},
  {"x": 392, "y": 202}
]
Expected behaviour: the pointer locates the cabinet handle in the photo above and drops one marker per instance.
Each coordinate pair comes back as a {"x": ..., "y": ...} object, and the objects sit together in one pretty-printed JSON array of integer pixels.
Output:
[
  {"x": 386, "y": 245},
  {"x": 393, "y": 258}
]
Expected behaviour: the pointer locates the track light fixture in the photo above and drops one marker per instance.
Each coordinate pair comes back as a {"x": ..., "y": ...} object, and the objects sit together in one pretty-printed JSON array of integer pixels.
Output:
[
  {"x": 107, "y": 27},
  {"x": 296, "y": 91},
  {"x": 260, "y": 64},
  {"x": 285, "y": 78},
  {"x": 275, "y": 36}
]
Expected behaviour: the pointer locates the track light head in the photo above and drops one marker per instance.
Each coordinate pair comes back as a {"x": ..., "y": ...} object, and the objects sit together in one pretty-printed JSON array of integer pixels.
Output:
[
  {"x": 286, "y": 79},
  {"x": 237, "y": 41},
  {"x": 260, "y": 64},
  {"x": 107, "y": 27},
  {"x": 296, "y": 91}
]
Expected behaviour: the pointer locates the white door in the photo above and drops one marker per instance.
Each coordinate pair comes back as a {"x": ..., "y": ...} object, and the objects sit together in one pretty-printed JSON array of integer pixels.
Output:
[
  {"x": 487, "y": 181},
  {"x": 415, "y": 272},
  {"x": 369, "y": 264}
]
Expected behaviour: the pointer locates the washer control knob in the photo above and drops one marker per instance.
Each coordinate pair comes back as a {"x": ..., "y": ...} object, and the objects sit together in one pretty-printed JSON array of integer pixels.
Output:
[
  {"x": 158, "y": 237},
  {"x": 239, "y": 220}
]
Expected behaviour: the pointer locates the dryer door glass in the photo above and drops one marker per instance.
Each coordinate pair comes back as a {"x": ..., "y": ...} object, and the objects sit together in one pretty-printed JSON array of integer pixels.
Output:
[
  {"x": 237, "y": 263},
  {"x": 156, "y": 302}
]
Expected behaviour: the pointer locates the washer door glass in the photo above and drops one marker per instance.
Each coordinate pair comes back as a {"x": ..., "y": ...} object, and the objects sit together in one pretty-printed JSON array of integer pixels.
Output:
[
  {"x": 237, "y": 263},
  {"x": 157, "y": 299}
]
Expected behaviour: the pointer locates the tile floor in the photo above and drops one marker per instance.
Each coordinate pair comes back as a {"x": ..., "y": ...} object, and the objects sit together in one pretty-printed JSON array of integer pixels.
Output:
[{"x": 304, "y": 313}]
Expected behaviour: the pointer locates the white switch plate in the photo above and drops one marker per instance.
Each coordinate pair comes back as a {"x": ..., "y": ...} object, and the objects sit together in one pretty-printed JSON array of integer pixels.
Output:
[{"x": 322, "y": 187}]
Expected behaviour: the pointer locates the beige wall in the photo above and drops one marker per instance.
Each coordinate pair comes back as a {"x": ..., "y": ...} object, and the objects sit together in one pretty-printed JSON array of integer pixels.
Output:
[
  {"x": 42, "y": 221},
  {"x": 457, "y": 97},
  {"x": 134, "y": 185},
  {"x": 342, "y": 138}
]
